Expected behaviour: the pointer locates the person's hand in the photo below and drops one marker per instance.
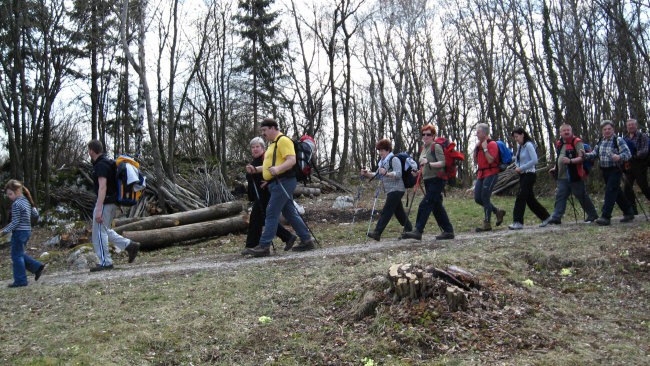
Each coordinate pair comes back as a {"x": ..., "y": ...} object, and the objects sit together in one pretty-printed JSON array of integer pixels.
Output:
[
  {"x": 250, "y": 169},
  {"x": 423, "y": 161},
  {"x": 616, "y": 157},
  {"x": 518, "y": 170},
  {"x": 381, "y": 171},
  {"x": 99, "y": 217},
  {"x": 484, "y": 144},
  {"x": 273, "y": 170},
  {"x": 364, "y": 172}
]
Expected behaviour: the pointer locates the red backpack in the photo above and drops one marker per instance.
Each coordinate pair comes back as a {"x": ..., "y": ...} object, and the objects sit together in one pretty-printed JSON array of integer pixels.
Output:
[{"x": 452, "y": 156}]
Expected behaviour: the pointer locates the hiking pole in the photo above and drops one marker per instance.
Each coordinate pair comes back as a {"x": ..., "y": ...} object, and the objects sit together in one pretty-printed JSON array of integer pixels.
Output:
[
  {"x": 373, "y": 208},
  {"x": 636, "y": 199},
  {"x": 415, "y": 190},
  {"x": 573, "y": 204},
  {"x": 299, "y": 215}
]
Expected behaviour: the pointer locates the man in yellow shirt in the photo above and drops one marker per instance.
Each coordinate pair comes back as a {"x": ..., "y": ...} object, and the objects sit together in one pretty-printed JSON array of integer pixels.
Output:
[{"x": 277, "y": 170}]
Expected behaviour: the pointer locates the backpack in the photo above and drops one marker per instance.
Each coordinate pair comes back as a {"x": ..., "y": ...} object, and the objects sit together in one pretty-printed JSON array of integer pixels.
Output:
[
  {"x": 408, "y": 165},
  {"x": 452, "y": 157},
  {"x": 631, "y": 145},
  {"x": 305, "y": 149},
  {"x": 130, "y": 181},
  {"x": 505, "y": 155},
  {"x": 576, "y": 172}
]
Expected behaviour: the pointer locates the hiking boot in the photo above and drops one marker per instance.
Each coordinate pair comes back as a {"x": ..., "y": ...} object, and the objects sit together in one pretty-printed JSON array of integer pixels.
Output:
[
  {"x": 39, "y": 272},
  {"x": 289, "y": 244},
  {"x": 304, "y": 246},
  {"x": 500, "y": 214},
  {"x": 627, "y": 218},
  {"x": 99, "y": 268},
  {"x": 591, "y": 219},
  {"x": 486, "y": 227},
  {"x": 550, "y": 221},
  {"x": 260, "y": 251},
  {"x": 246, "y": 251},
  {"x": 412, "y": 235},
  {"x": 374, "y": 235},
  {"x": 132, "y": 249},
  {"x": 445, "y": 236},
  {"x": 602, "y": 221},
  {"x": 516, "y": 226}
]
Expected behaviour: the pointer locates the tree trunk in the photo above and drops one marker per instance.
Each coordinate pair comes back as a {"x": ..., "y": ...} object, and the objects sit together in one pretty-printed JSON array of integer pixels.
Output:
[
  {"x": 183, "y": 218},
  {"x": 159, "y": 238}
]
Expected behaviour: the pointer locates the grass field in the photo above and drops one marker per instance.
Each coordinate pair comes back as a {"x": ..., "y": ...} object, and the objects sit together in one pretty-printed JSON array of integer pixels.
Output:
[{"x": 588, "y": 303}]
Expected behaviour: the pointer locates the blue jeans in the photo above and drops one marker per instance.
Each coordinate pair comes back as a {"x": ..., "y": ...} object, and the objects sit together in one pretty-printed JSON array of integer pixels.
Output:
[
  {"x": 564, "y": 190},
  {"x": 483, "y": 192},
  {"x": 614, "y": 194},
  {"x": 432, "y": 202},
  {"x": 281, "y": 201},
  {"x": 20, "y": 260}
]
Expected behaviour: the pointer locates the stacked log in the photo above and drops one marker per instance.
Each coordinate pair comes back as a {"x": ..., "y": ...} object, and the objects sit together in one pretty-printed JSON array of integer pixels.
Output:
[
  {"x": 164, "y": 230},
  {"x": 413, "y": 282}
]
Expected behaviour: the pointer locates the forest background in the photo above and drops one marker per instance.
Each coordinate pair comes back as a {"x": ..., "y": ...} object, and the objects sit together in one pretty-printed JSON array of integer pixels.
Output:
[{"x": 181, "y": 83}]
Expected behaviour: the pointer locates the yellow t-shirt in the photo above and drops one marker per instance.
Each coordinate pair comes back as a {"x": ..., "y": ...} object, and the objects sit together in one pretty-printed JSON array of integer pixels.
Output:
[{"x": 285, "y": 148}]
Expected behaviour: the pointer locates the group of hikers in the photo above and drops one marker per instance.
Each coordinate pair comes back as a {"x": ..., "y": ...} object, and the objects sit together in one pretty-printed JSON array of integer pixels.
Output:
[{"x": 272, "y": 181}]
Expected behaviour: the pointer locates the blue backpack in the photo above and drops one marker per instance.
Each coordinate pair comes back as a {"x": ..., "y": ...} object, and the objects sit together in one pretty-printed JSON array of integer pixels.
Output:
[{"x": 505, "y": 155}]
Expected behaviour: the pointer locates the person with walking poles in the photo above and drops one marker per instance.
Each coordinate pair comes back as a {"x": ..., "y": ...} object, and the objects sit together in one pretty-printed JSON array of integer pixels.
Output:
[
  {"x": 432, "y": 166},
  {"x": 638, "y": 167},
  {"x": 525, "y": 161},
  {"x": 281, "y": 182},
  {"x": 570, "y": 174},
  {"x": 389, "y": 172},
  {"x": 612, "y": 152},
  {"x": 20, "y": 227},
  {"x": 486, "y": 154},
  {"x": 105, "y": 186},
  {"x": 260, "y": 198}
]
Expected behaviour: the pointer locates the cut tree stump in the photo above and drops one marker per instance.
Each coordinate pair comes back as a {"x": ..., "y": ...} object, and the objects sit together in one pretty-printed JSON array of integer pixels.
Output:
[
  {"x": 159, "y": 238},
  {"x": 183, "y": 218}
]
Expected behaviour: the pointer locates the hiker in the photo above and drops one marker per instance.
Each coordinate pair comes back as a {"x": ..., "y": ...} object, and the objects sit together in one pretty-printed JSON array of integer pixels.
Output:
[
  {"x": 432, "y": 165},
  {"x": 105, "y": 186},
  {"x": 525, "y": 161},
  {"x": 612, "y": 151},
  {"x": 20, "y": 227},
  {"x": 260, "y": 198},
  {"x": 281, "y": 181},
  {"x": 569, "y": 173},
  {"x": 389, "y": 172},
  {"x": 486, "y": 154},
  {"x": 638, "y": 170}
]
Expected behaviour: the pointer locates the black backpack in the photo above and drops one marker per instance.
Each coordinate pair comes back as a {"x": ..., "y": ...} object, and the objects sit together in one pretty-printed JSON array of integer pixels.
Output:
[
  {"x": 406, "y": 161},
  {"x": 305, "y": 149}
]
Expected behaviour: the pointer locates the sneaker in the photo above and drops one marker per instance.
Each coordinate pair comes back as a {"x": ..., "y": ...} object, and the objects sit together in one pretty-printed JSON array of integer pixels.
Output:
[
  {"x": 591, "y": 219},
  {"x": 132, "y": 249},
  {"x": 516, "y": 226},
  {"x": 444, "y": 236},
  {"x": 99, "y": 268},
  {"x": 627, "y": 218},
  {"x": 374, "y": 235},
  {"x": 260, "y": 251},
  {"x": 412, "y": 235},
  {"x": 602, "y": 221},
  {"x": 16, "y": 285},
  {"x": 500, "y": 214},
  {"x": 39, "y": 272},
  {"x": 550, "y": 221},
  {"x": 304, "y": 246},
  {"x": 289, "y": 244},
  {"x": 486, "y": 227}
]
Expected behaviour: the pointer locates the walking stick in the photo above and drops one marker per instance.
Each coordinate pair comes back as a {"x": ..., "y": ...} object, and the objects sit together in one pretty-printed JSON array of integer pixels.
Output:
[
  {"x": 575, "y": 212},
  {"x": 299, "y": 215},
  {"x": 373, "y": 207},
  {"x": 636, "y": 199}
]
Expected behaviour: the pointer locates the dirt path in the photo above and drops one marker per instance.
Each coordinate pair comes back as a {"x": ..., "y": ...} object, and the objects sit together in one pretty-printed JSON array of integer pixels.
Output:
[{"x": 227, "y": 262}]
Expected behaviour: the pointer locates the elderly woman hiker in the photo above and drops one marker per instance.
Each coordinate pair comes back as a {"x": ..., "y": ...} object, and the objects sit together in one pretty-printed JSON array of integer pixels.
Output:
[
  {"x": 525, "y": 161},
  {"x": 389, "y": 172}
]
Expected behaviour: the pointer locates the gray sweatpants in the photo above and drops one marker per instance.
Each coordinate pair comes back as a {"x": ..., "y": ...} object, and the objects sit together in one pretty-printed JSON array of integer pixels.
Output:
[{"x": 103, "y": 234}]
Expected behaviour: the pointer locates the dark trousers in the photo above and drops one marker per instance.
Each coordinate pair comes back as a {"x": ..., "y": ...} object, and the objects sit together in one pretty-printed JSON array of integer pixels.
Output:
[
  {"x": 525, "y": 197},
  {"x": 432, "y": 203},
  {"x": 638, "y": 172},
  {"x": 483, "y": 192},
  {"x": 613, "y": 193},
  {"x": 256, "y": 224},
  {"x": 392, "y": 206}
]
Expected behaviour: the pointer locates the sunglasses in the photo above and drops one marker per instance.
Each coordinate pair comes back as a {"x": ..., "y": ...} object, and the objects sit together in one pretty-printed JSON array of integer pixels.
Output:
[{"x": 427, "y": 134}]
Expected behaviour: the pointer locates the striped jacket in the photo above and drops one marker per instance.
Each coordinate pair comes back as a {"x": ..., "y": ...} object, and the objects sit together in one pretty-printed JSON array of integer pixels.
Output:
[{"x": 21, "y": 213}]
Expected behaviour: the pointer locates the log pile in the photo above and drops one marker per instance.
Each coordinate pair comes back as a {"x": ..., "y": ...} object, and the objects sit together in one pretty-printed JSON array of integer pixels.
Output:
[
  {"x": 510, "y": 179},
  {"x": 164, "y": 230},
  {"x": 413, "y": 282}
]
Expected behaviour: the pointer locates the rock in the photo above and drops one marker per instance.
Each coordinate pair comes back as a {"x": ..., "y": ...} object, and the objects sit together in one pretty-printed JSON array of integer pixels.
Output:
[
  {"x": 53, "y": 241},
  {"x": 342, "y": 202},
  {"x": 82, "y": 258}
]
